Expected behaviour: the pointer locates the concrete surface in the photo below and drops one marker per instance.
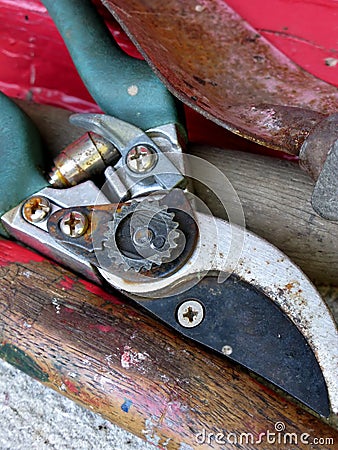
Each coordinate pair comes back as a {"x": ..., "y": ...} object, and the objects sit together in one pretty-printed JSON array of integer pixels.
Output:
[{"x": 34, "y": 417}]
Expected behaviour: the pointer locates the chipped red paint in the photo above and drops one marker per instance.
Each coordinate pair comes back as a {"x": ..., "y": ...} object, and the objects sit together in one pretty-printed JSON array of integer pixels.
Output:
[
  {"x": 126, "y": 358},
  {"x": 66, "y": 283},
  {"x": 305, "y": 31},
  {"x": 97, "y": 290},
  {"x": 70, "y": 386},
  {"x": 120, "y": 37},
  {"x": 133, "y": 358},
  {"x": 90, "y": 400},
  {"x": 68, "y": 310},
  {"x": 11, "y": 252},
  {"x": 269, "y": 391},
  {"x": 32, "y": 52},
  {"x": 103, "y": 328}
]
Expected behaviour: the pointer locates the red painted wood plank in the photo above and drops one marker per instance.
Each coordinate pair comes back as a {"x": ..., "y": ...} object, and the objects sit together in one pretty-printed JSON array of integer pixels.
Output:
[
  {"x": 11, "y": 252},
  {"x": 305, "y": 30},
  {"x": 32, "y": 53}
]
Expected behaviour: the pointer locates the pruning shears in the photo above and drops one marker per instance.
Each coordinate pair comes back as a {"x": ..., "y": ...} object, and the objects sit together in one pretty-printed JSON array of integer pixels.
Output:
[{"x": 141, "y": 230}]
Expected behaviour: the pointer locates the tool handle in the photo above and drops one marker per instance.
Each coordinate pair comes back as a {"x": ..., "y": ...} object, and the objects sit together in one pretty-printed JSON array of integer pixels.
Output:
[
  {"x": 121, "y": 85},
  {"x": 21, "y": 157}
]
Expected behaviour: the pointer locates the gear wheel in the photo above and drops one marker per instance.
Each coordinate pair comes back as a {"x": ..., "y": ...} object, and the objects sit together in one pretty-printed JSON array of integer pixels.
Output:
[{"x": 142, "y": 234}]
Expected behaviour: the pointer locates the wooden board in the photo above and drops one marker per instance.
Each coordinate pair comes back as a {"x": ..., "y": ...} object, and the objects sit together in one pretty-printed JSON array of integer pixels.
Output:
[
  {"x": 99, "y": 351},
  {"x": 276, "y": 200}
]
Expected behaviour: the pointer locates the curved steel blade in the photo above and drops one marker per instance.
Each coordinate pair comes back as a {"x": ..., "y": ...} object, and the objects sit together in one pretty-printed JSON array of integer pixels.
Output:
[
  {"x": 267, "y": 272},
  {"x": 243, "y": 323}
]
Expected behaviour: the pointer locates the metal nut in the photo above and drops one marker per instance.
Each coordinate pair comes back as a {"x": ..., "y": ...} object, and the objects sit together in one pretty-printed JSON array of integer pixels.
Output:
[
  {"x": 141, "y": 159},
  {"x": 190, "y": 313},
  {"x": 74, "y": 224},
  {"x": 36, "y": 209}
]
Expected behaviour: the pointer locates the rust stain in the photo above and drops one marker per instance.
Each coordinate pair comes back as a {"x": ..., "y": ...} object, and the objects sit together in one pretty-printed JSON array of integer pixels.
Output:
[
  {"x": 289, "y": 286},
  {"x": 31, "y": 206},
  {"x": 219, "y": 65}
]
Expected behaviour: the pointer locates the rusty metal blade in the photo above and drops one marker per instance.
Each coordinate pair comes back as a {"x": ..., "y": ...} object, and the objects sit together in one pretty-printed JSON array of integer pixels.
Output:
[{"x": 215, "y": 62}]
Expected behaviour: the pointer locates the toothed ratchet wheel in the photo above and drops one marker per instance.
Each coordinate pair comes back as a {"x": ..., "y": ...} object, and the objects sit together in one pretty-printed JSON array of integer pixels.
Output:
[{"x": 141, "y": 235}]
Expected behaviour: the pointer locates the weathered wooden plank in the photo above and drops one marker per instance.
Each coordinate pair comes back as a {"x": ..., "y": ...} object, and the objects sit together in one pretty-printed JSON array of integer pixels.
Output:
[
  {"x": 276, "y": 195},
  {"x": 101, "y": 352}
]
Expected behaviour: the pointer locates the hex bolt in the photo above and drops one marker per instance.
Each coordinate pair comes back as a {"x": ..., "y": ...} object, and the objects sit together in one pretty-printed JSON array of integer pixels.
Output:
[
  {"x": 36, "y": 209},
  {"x": 74, "y": 224},
  {"x": 190, "y": 313},
  {"x": 141, "y": 159}
]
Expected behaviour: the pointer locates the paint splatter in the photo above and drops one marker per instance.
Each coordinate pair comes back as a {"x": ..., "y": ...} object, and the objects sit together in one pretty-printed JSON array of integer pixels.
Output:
[
  {"x": 166, "y": 443},
  {"x": 67, "y": 283},
  {"x": 133, "y": 90},
  {"x": 22, "y": 361},
  {"x": 200, "y": 8},
  {"x": 100, "y": 327},
  {"x": 100, "y": 292},
  {"x": 71, "y": 386},
  {"x": 331, "y": 62},
  {"x": 130, "y": 358},
  {"x": 126, "y": 405},
  {"x": 57, "y": 305}
]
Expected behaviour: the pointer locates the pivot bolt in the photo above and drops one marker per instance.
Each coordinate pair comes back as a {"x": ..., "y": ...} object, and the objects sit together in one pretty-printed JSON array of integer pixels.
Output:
[
  {"x": 190, "y": 313},
  {"x": 74, "y": 224},
  {"x": 141, "y": 159},
  {"x": 142, "y": 236},
  {"x": 36, "y": 209}
]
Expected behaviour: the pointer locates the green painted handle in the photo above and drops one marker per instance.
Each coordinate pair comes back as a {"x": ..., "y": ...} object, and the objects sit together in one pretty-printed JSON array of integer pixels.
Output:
[
  {"x": 21, "y": 157},
  {"x": 122, "y": 86}
]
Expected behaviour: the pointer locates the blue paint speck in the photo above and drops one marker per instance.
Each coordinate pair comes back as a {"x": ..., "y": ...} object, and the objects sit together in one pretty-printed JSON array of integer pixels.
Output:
[{"x": 126, "y": 405}]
